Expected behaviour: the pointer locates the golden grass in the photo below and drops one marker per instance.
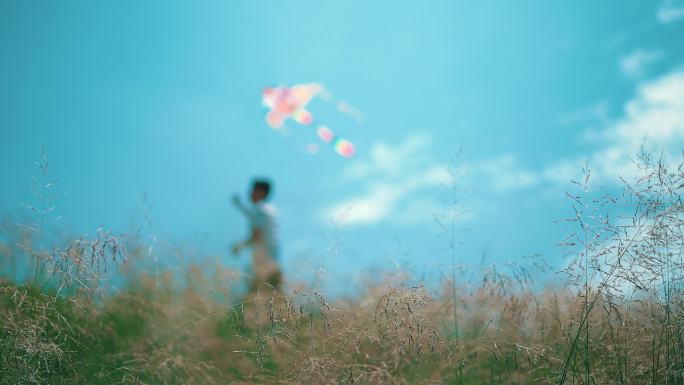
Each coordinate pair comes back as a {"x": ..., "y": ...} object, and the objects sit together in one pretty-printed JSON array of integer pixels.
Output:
[{"x": 617, "y": 317}]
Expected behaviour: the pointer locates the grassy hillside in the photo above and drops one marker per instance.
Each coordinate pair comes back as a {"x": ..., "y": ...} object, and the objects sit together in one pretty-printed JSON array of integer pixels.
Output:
[{"x": 616, "y": 316}]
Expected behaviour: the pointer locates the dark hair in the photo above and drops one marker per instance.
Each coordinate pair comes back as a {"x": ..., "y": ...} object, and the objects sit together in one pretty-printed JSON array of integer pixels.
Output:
[{"x": 263, "y": 185}]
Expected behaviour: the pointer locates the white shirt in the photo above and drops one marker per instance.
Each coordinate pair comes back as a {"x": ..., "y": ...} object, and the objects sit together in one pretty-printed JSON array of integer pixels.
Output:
[{"x": 262, "y": 216}]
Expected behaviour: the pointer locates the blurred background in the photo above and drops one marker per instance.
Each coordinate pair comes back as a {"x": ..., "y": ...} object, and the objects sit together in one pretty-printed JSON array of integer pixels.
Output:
[{"x": 476, "y": 117}]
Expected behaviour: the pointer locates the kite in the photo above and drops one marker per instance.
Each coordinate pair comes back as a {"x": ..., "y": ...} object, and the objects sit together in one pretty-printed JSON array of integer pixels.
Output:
[
  {"x": 342, "y": 146},
  {"x": 291, "y": 102}
]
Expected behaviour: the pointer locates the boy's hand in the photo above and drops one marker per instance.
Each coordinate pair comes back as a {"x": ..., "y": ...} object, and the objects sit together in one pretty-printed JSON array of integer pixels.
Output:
[
  {"x": 236, "y": 200},
  {"x": 237, "y": 248}
]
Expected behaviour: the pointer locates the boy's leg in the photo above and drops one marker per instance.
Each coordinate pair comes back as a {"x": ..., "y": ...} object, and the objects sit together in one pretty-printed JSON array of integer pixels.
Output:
[
  {"x": 276, "y": 281},
  {"x": 267, "y": 275},
  {"x": 265, "y": 287}
]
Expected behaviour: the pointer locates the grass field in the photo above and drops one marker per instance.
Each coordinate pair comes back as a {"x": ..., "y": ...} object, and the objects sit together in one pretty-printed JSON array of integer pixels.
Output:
[{"x": 617, "y": 317}]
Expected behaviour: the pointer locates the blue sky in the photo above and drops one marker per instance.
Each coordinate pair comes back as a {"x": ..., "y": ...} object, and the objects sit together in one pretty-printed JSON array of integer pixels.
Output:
[{"x": 163, "y": 98}]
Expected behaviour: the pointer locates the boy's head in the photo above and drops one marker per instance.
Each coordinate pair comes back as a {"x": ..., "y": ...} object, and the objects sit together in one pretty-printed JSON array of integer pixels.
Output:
[{"x": 260, "y": 190}]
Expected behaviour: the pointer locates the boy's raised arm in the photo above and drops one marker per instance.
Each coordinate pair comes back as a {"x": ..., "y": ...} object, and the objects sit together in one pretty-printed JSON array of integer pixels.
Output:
[{"x": 237, "y": 202}]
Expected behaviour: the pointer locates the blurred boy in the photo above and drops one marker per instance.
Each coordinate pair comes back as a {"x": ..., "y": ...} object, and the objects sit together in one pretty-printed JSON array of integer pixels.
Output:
[{"x": 261, "y": 217}]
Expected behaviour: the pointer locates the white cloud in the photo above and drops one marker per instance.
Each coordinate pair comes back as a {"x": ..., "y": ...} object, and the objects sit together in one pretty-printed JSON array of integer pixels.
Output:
[
  {"x": 634, "y": 64},
  {"x": 595, "y": 112},
  {"x": 388, "y": 159},
  {"x": 563, "y": 171},
  {"x": 376, "y": 204},
  {"x": 395, "y": 177},
  {"x": 670, "y": 13},
  {"x": 503, "y": 173},
  {"x": 653, "y": 117},
  {"x": 656, "y": 114},
  {"x": 402, "y": 183}
]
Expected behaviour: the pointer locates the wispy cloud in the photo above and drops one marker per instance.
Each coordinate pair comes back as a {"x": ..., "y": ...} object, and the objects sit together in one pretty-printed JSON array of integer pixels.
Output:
[
  {"x": 670, "y": 12},
  {"x": 402, "y": 183},
  {"x": 593, "y": 113},
  {"x": 394, "y": 178},
  {"x": 376, "y": 204},
  {"x": 504, "y": 173},
  {"x": 634, "y": 64},
  {"x": 390, "y": 159},
  {"x": 654, "y": 117}
]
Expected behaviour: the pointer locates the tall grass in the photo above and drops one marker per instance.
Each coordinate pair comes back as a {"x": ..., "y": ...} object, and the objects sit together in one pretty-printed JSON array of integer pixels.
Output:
[{"x": 617, "y": 319}]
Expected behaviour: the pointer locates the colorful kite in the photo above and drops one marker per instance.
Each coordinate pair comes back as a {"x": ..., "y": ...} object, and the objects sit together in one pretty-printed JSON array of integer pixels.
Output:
[
  {"x": 342, "y": 146},
  {"x": 290, "y": 103}
]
